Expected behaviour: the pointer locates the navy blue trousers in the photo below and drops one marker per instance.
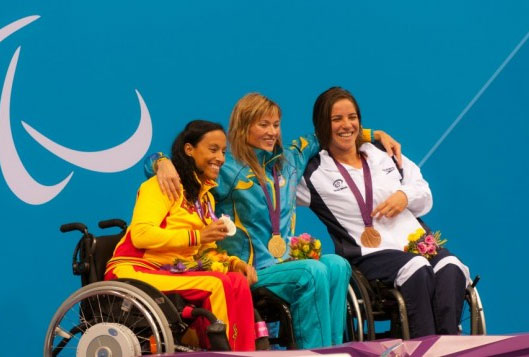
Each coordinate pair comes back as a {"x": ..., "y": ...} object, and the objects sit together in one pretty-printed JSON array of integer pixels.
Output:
[{"x": 434, "y": 301}]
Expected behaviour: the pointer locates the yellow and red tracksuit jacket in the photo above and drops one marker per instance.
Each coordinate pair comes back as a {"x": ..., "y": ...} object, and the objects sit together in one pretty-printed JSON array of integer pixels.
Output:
[{"x": 163, "y": 230}]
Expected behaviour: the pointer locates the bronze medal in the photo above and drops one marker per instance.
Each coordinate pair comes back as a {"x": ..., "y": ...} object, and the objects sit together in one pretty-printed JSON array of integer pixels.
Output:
[
  {"x": 277, "y": 246},
  {"x": 370, "y": 238}
]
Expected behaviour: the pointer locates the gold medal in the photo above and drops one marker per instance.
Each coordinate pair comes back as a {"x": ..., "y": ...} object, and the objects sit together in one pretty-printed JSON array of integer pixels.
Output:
[
  {"x": 277, "y": 246},
  {"x": 370, "y": 238}
]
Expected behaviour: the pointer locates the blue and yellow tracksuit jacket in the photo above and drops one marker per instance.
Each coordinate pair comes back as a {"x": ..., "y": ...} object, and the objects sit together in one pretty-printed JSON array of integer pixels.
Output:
[{"x": 239, "y": 195}]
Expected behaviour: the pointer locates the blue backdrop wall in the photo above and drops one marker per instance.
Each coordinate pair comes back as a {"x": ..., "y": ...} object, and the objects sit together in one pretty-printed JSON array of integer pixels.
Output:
[{"x": 89, "y": 87}]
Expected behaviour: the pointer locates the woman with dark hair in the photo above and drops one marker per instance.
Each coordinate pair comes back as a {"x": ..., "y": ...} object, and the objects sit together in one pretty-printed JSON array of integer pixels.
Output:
[
  {"x": 371, "y": 211},
  {"x": 167, "y": 239},
  {"x": 257, "y": 188}
]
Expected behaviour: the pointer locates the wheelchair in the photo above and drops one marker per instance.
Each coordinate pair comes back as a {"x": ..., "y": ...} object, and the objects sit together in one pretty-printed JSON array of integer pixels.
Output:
[
  {"x": 123, "y": 317},
  {"x": 274, "y": 309},
  {"x": 375, "y": 301},
  {"x": 378, "y": 302},
  {"x": 134, "y": 318}
]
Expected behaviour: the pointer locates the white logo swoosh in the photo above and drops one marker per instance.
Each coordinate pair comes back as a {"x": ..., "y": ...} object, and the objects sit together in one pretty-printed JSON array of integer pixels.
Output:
[
  {"x": 16, "y": 25},
  {"x": 115, "y": 159},
  {"x": 15, "y": 174}
]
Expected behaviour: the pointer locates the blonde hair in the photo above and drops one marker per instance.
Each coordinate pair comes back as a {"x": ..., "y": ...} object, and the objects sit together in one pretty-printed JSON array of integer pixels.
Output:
[{"x": 247, "y": 111}]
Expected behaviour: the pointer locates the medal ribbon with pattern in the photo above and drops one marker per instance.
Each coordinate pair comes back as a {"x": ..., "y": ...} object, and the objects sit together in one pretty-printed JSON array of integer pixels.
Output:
[
  {"x": 370, "y": 237},
  {"x": 201, "y": 212},
  {"x": 276, "y": 245}
]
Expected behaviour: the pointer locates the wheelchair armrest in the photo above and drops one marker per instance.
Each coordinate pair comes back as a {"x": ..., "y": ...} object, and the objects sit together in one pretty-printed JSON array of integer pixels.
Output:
[
  {"x": 360, "y": 278},
  {"x": 270, "y": 306},
  {"x": 263, "y": 294}
]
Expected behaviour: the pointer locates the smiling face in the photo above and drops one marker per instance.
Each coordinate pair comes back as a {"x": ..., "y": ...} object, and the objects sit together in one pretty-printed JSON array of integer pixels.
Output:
[
  {"x": 345, "y": 127},
  {"x": 264, "y": 133},
  {"x": 209, "y": 154}
]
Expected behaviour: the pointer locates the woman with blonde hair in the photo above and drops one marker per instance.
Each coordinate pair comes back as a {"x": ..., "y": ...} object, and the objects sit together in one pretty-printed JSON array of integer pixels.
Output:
[{"x": 257, "y": 188}]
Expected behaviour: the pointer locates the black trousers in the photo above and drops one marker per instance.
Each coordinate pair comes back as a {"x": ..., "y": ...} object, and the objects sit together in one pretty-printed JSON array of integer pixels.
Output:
[{"x": 434, "y": 301}]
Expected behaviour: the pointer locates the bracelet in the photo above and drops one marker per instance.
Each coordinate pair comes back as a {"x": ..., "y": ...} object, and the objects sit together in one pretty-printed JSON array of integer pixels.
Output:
[
  {"x": 160, "y": 156},
  {"x": 372, "y": 134},
  {"x": 160, "y": 159}
]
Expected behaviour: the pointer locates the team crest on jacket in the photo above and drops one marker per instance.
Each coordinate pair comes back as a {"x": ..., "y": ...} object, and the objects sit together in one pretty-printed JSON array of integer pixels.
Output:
[{"x": 338, "y": 185}]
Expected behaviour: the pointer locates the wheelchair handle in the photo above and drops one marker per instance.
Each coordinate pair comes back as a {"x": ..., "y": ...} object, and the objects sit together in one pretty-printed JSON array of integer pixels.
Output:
[
  {"x": 475, "y": 281},
  {"x": 115, "y": 222},
  {"x": 74, "y": 226},
  {"x": 201, "y": 312}
]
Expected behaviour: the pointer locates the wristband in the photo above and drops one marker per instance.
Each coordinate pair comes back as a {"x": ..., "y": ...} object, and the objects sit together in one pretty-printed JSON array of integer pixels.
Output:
[{"x": 260, "y": 329}]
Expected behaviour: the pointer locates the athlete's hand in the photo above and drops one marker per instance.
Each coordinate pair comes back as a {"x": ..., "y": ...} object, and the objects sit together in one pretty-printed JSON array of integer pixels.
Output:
[
  {"x": 168, "y": 178},
  {"x": 391, "y": 145},
  {"x": 251, "y": 275},
  {"x": 213, "y": 232},
  {"x": 391, "y": 207},
  {"x": 247, "y": 270}
]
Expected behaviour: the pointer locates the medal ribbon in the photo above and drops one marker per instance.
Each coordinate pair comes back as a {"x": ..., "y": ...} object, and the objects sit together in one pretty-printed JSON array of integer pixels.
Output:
[
  {"x": 366, "y": 207},
  {"x": 201, "y": 212},
  {"x": 274, "y": 212}
]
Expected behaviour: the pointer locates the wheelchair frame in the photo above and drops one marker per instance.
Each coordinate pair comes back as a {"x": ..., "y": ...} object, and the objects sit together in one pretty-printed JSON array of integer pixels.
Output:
[
  {"x": 272, "y": 308},
  {"x": 162, "y": 321},
  {"x": 123, "y": 315},
  {"x": 378, "y": 302},
  {"x": 375, "y": 297}
]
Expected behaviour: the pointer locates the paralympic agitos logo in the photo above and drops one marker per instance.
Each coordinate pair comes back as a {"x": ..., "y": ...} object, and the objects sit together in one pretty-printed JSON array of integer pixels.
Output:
[{"x": 25, "y": 187}]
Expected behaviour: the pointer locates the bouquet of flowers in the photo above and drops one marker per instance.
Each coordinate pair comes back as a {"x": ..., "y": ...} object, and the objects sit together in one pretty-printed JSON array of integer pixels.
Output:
[
  {"x": 208, "y": 260},
  {"x": 424, "y": 244},
  {"x": 305, "y": 247}
]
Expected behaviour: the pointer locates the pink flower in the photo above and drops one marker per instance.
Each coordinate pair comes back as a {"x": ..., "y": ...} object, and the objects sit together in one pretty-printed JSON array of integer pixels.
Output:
[
  {"x": 429, "y": 239},
  {"x": 432, "y": 249},
  {"x": 304, "y": 237},
  {"x": 422, "y": 247},
  {"x": 294, "y": 241}
]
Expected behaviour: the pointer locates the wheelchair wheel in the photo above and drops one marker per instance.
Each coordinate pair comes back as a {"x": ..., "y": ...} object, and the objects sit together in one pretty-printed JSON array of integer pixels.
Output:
[
  {"x": 355, "y": 322},
  {"x": 481, "y": 326},
  {"x": 399, "y": 321},
  {"x": 366, "y": 323},
  {"x": 376, "y": 303},
  {"x": 108, "y": 318},
  {"x": 473, "y": 315}
]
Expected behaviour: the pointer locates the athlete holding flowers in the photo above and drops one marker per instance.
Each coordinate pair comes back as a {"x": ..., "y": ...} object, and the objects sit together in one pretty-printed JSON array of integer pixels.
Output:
[
  {"x": 370, "y": 212},
  {"x": 257, "y": 188}
]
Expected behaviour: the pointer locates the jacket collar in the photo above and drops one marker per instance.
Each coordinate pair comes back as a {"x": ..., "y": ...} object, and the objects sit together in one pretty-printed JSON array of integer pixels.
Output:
[
  {"x": 267, "y": 158},
  {"x": 327, "y": 162},
  {"x": 206, "y": 185}
]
